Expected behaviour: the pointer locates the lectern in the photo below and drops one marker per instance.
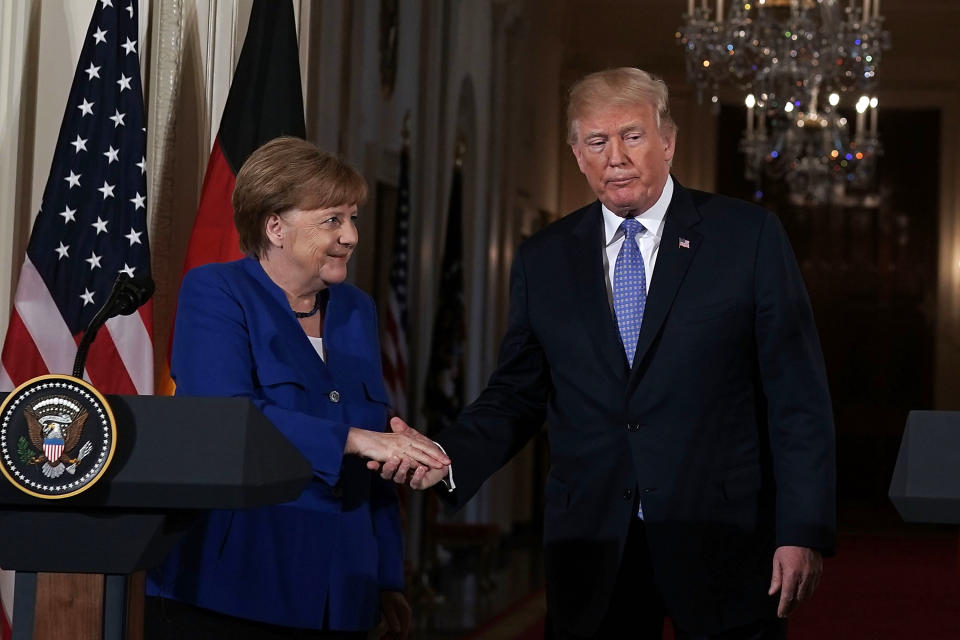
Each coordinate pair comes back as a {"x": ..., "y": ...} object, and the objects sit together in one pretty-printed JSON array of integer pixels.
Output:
[
  {"x": 175, "y": 458},
  {"x": 926, "y": 479}
]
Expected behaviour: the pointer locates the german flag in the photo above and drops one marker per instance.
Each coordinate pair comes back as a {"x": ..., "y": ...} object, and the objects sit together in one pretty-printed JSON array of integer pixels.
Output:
[{"x": 265, "y": 101}]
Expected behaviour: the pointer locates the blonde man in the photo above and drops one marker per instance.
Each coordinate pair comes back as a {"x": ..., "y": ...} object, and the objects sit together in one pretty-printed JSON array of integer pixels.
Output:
[{"x": 666, "y": 337}]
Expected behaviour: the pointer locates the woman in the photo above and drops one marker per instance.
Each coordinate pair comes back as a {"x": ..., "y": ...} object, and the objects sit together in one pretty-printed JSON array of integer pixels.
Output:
[{"x": 282, "y": 328}]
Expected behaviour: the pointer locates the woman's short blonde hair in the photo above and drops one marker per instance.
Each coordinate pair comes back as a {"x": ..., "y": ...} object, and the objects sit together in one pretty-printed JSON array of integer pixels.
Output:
[
  {"x": 621, "y": 86},
  {"x": 289, "y": 173}
]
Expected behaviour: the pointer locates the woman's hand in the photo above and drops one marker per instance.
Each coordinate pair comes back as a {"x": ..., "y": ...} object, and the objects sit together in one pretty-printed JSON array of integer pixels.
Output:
[
  {"x": 405, "y": 443},
  {"x": 396, "y": 617}
]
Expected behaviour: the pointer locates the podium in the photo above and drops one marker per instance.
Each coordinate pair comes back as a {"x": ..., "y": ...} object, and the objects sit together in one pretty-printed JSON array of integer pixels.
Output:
[
  {"x": 175, "y": 459},
  {"x": 926, "y": 479}
]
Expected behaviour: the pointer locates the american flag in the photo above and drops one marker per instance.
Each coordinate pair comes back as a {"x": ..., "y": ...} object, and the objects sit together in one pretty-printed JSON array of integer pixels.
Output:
[
  {"x": 395, "y": 332},
  {"x": 92, "y": 223}
]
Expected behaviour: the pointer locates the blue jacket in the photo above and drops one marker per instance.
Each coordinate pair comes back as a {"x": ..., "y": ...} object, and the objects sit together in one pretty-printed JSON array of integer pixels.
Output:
[{"x": 331, "y": 551}]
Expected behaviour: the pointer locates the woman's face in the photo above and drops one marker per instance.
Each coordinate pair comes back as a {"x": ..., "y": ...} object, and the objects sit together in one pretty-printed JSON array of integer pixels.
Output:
[{"x": 319, "y": 242}]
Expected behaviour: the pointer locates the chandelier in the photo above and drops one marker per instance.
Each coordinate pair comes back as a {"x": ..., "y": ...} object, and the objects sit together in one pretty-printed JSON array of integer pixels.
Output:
[{"x": 795, "y": 60}]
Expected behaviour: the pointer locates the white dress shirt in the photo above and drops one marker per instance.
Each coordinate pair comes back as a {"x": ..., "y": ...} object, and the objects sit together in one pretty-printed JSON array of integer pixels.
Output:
[
  {"x": 649, "y": 241},
  {"x": 317, "y": 344}
]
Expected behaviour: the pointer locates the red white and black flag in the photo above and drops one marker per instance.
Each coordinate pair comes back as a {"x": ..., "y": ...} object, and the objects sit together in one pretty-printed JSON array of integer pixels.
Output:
[
  {"x": 91, "y": 225},
  {"x": 265, "y": 101},
  {"x": 395, "y": 331}
]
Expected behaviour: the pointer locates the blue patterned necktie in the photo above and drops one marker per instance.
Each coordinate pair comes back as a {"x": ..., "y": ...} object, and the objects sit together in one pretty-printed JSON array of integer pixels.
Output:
[{"x": 630, "y": 287}]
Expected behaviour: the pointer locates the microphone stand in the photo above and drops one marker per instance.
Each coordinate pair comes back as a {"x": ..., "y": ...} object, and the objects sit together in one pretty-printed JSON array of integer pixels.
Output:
[{"x": 127, "y": 295}]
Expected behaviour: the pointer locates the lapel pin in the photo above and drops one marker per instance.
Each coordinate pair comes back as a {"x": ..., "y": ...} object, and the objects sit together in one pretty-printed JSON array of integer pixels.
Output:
[{"x": 684, "y": 243}]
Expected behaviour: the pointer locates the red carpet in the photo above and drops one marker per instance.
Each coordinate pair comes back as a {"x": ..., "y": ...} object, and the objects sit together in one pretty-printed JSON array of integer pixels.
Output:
[{"x": 878, "y": 587}]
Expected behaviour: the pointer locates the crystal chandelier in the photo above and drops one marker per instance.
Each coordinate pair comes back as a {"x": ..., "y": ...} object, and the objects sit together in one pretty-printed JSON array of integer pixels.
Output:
[{"x": 794, "y": 60}]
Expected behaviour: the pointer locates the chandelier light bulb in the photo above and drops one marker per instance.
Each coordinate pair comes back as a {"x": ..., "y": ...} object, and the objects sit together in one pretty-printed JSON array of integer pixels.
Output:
[
  {"x": 862, "y": 106},
  {"x": 751, "y": 101},
  {"x": 834, "y": 99},
  {"x": 788, "y": 107},
  {"x": 874, "y": 102}
]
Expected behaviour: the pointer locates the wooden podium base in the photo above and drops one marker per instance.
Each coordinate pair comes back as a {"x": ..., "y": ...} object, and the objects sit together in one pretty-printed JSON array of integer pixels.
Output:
[{"x": 83, "y": 606}]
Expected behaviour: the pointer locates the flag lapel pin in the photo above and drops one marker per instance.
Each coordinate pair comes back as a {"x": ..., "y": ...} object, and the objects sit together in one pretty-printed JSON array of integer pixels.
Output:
[{"x": 684, "y": 243}]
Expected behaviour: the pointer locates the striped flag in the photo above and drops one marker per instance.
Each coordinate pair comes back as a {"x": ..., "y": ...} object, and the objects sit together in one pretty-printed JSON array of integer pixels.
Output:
[
  {"x": 395, "y": 331},
  {"x": 265, "y": 101},
  {"x": 92, "y": 226},
  {"x": 92, "y": 223}
]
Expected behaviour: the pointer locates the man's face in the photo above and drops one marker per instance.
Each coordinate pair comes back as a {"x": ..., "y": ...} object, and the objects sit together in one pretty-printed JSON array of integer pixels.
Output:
[{"x": 624, "y": 157}]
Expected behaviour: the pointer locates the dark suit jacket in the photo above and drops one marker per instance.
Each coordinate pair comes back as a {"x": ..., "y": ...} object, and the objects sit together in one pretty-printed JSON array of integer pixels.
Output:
[
  {"x": 723, "y": 427},
  {"x": 331, "y": 551}
]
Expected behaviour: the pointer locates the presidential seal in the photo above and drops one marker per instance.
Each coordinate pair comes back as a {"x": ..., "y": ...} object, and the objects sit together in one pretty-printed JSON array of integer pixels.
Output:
[{"x": 57, "y": 436}]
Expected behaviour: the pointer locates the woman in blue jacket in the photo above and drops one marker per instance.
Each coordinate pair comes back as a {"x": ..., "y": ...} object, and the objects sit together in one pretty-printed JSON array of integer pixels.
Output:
[{"x": 283, "y": 328}]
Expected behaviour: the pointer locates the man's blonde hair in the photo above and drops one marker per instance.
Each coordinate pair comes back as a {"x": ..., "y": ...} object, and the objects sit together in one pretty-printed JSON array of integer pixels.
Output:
[{"x": 622, "y": 86}]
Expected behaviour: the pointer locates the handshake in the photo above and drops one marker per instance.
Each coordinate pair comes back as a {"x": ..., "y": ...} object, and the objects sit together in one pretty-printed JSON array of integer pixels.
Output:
[{"x": 402, "y": 454}]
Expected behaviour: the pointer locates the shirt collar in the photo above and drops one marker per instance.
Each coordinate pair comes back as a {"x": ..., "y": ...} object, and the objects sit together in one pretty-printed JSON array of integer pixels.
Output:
[{"x": 651, "y": 219}]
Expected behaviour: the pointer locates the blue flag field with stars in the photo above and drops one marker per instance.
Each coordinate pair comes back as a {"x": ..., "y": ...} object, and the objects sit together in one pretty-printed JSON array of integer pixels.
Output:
[{"x": 92, "y": 222}]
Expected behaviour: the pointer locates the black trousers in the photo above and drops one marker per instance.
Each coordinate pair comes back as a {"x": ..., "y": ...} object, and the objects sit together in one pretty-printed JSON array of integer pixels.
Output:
[
  {"x": 172, "y": 620},
  {"x": 637, "y": 611}
]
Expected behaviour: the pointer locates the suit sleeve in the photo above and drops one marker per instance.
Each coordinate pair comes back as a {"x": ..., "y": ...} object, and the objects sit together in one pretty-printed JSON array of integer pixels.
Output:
[
  {"x": 799, "y": 411},
  {"x": 512, "y": 407},
  {"x": 212, "y": 357}
]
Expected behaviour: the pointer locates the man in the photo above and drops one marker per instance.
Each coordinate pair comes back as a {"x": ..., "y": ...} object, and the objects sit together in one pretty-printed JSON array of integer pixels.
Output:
[{"x": 666, "y": 336}]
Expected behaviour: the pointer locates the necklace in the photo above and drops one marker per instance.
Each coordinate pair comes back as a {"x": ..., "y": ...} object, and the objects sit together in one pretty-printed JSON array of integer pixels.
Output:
[{"x": 307, "y": 314}]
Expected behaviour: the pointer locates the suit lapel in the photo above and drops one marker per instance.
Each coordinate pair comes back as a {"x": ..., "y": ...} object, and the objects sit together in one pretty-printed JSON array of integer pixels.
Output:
[
  {"x": 678, "y": 245},
  {"x": 593, "y": 305}
]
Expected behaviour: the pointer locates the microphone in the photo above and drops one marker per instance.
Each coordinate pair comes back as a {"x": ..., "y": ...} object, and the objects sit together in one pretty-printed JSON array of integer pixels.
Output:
[{"x": 128, "y": 295}]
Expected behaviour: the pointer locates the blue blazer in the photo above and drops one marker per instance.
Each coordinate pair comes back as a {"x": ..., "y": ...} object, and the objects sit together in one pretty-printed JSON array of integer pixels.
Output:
[
  {"x": 328, "y": 554},
  {"x": 723, "y": 426}
]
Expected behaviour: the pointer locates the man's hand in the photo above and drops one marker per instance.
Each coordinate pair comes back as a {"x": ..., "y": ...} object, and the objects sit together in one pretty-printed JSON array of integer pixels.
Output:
[
  {"x": 428, "y": 478},
  {"x": 796, "y": 574},
  {"x": 395, "y": 616},
  {"x": 421, "y": 478},
  {"x": 406, "y": 444},
  {"x": 404, "y": 471}
]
